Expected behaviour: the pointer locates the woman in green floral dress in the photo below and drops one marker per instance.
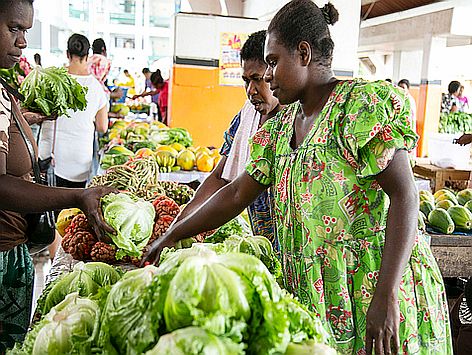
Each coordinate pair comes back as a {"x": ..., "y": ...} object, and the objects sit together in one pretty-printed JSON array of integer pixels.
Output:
[{"x": 345, "y": 200}]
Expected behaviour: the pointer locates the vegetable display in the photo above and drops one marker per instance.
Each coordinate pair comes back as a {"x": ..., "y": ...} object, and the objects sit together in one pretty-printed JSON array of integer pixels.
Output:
[
  {"x": 455, "y": 122},
  {"x": 171, "y": 147},
  {"x": 53, "y": 91},
  {"x": 201, "y": 300}
]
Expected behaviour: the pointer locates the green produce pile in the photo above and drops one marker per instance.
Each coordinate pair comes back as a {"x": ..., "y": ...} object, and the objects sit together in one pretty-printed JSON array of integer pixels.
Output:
[
  {"x": 171, "y": 135},
  {"x": 200, "y": 300},
  {"x": 456, "y": 122},
  {"x": 445, "y": 211},
  {"x": 52, "y": 91}
]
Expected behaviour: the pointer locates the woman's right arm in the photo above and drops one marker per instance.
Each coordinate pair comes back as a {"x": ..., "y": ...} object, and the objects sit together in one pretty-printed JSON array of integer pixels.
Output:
[
  {"x": 101, "y": 120},
  {"x": 226, "y": 204},
  {"x": 212, "y": 184},
  {"x": 21, "y": 196}
]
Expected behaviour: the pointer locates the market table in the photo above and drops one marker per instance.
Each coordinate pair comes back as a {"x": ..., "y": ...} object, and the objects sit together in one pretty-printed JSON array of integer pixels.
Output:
[
  {"x": 439, "y": 176},
  {"x": 453, "y": 254},
  {"x": 184, "y": 177}
]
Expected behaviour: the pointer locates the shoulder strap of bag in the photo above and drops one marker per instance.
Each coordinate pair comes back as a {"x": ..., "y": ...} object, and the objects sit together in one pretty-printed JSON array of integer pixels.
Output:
[{"x": 15, "y": 113}]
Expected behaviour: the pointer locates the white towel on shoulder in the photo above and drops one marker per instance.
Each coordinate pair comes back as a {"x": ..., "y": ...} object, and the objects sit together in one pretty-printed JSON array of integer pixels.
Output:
[{"x": 239, "y": 154}]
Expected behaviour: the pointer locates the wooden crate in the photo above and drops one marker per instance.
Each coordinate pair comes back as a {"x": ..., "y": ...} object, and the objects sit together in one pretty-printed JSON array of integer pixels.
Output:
[
  {"x": 453, "y": 254},
  {"x": 460, "y": 179}
]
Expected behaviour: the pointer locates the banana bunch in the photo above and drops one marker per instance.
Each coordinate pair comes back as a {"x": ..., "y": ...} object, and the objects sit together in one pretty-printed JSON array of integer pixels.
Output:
[{"x": 166, "y": 163}]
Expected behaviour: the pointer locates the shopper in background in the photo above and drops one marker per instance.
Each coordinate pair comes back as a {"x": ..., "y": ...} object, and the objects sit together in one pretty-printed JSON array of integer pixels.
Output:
[
  {"x": 450, "y": 101},
  {"x": 258, "y": 108},
  {"x": 37, "y": 59},
  {"x": 161, "y": 88},
  {"x": 148, "y": 87},
  {"x": 18, "y": 195},
  {"x": 98, "y": 64},
  {"x": 345, "y": 200},
  {"x": 129, "y": 83},
  {"x": 463, "y": 99}
]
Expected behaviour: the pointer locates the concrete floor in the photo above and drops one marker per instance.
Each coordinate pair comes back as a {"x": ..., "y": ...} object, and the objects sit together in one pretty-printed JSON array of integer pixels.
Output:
[{"x": 42, "y": 265}]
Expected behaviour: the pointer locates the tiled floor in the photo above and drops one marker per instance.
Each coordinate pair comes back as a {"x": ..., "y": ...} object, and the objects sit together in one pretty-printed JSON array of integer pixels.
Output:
[{"x": 42, "y": 265}]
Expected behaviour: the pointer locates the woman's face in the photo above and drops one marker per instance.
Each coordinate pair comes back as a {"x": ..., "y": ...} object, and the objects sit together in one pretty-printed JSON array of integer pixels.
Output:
[
  {"x": 14, "y": 23},
  {"x": 284, "y": 71},
  {"x": 257, "y": 90}
]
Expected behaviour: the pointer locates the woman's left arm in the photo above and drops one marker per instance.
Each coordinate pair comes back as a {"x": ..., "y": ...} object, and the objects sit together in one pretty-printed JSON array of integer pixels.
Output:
[{"x": 383, "y": 316}]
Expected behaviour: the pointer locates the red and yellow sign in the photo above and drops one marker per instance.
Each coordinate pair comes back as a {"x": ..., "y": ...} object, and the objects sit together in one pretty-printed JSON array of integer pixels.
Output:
[{"x": 230, "y": 62}]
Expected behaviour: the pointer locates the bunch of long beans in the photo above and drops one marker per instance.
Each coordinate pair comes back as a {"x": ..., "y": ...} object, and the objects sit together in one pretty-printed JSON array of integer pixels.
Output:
[{"x": 140, "y": 177}]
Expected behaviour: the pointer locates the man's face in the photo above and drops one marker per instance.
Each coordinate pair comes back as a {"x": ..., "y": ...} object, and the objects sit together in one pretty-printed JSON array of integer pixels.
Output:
[
  {"x": 14, "y": 23},
  {"x": 257, "y": 90}
]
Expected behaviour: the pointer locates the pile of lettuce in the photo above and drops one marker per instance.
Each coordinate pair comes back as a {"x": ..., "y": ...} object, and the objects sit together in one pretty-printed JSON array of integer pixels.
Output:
[
  {"x": 199, "y": 300},
  {"x": 133, "y": 220},
  {"x": 53, "y": 91}
]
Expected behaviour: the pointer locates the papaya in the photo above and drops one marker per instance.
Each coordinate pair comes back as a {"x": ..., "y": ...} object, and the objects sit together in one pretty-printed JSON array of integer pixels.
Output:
[
  {"x": 464, "y": 196},
  {"x": 461, "y": 216},
  {"x": 426, "y": 207},
  {"x": 440, "y": 220},
  {"x": 426, "y": 196},
  {"x": 468, "y": 205},
  {"x": 441, "y": 192},
  {"x": 421, "y": 221},
  {"x": 446, "y": 204},
  {"x": 447, "y": 196},
  {"x": 444, "y": 194}
]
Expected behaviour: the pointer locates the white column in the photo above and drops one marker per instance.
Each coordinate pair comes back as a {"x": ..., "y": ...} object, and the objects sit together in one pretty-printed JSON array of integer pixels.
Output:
[
  {"x": 431, "y": 68},
  {"x": 397, "y": 61}
]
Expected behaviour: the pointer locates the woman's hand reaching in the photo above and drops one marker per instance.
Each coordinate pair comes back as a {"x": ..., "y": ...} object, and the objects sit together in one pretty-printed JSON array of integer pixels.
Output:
[
  {"x": 154, "y": 253},
  {"x": 89, "y": 203}
]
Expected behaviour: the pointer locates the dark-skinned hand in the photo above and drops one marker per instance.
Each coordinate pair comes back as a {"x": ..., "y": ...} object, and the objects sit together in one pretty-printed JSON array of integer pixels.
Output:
[
  {"x": 154, "y": 253},
  {"x": 36, "y": 117},
  {"x": 464, "y": 139},
  {"x": 382, "y": 324},
  {"x": 89, "y": 203}
]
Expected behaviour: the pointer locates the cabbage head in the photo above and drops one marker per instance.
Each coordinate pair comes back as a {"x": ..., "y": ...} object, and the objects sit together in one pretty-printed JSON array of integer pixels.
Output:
[
  {"x": 85, "y": 278},
  {"x": 130, "y": 318},
  {"x": 133, "y": 220},
  {"x": 205, "y": 293},
  {"x": 195, "y": 341},
  {"x": 71, "y": 327}
]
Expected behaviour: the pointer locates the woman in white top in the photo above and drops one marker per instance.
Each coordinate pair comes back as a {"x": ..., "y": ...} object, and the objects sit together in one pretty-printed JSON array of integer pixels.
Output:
[{"x": 73, "y": 141}]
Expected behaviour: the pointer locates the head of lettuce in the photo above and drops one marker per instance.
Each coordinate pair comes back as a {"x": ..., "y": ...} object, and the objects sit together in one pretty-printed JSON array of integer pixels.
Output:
[{"x": 133, "y": 220}]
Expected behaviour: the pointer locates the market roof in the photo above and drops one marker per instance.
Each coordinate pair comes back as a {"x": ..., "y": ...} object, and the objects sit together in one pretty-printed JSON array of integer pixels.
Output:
[{"x": 375, "y": 8}]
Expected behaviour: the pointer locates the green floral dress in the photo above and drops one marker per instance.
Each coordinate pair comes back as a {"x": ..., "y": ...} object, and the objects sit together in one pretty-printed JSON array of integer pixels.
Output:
[{"x": 331, "y": 215}]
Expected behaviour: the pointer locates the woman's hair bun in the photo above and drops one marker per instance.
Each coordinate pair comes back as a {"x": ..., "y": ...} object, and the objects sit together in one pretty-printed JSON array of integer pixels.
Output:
[{"x": 330, "y": 14}]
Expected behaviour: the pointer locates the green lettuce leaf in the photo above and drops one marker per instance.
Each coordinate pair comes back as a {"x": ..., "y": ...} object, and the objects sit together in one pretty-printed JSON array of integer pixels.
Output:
[
  {"x": 133, "y": 220},
  {"x": 53, "y": 91},
  {"x": 130, "y": 318},
  {"x": 71, "y": 327},
  {"x": 85, "y": 278},
  {"x": 195, "y": 341}
]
